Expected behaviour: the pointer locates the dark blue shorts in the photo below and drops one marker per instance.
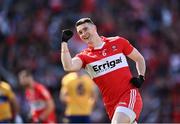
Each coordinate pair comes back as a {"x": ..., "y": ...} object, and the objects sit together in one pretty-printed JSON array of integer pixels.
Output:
[
  {"x": 6, "y": 121},
  {"x": 78, "y": 119}
]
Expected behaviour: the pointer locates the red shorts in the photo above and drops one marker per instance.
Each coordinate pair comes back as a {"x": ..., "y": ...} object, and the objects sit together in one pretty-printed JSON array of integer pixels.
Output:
[{"x": 132, "y": 100}]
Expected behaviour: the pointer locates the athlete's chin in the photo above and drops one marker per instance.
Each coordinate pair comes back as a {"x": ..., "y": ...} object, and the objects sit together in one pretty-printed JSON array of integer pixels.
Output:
[
  {"x": 87, "y": 41},
  {"x": 90, "y": 43},
  {"x": 25, "y": 85}
]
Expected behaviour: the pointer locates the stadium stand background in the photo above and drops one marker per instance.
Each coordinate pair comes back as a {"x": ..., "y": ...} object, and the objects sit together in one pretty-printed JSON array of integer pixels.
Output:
[{"x": 30, "y": 32}]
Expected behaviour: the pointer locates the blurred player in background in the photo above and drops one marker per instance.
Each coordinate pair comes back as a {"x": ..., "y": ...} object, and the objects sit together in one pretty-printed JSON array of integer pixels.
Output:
[
  {"x": 78, "y": 93},
  {"x": 9, "y": 109},
  {"x": 105, "y": 61},
  {"x": 41, "y": 103}
]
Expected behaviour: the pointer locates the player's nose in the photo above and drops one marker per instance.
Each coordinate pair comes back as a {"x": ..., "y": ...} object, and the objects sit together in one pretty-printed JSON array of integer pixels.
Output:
[{"x": 83, "y": 33}]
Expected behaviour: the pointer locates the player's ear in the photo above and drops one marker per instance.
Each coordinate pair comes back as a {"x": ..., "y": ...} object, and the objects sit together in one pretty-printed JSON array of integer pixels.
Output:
[{"x": 94, "y": 26}]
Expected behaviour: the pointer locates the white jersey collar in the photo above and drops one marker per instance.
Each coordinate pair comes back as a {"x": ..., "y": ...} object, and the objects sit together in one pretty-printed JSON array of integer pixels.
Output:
[{"x": 100, "y": 47}]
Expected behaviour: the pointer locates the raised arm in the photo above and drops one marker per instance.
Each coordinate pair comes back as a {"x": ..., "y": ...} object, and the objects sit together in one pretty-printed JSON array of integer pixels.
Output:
[{"x": 69, "y": 63}]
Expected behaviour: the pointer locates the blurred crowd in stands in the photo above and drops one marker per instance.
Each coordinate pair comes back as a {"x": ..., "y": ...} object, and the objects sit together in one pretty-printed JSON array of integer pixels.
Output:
[{"x": 30, "y": 33}]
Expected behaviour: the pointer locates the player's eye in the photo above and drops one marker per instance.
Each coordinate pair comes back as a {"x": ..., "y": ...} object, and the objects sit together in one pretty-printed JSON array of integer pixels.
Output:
[
  {"x": 85, "y": 29},
  {"x": 80, "y": 32}
]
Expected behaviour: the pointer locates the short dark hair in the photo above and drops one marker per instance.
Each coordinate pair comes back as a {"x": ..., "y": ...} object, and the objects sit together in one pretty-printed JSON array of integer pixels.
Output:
[
  {"x": 84, "y": 20},
  {"x": 26, "y": 71}
]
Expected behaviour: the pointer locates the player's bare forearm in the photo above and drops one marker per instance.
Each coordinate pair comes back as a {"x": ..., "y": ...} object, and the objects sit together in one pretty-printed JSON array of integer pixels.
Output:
[
  {"x": 69, "y": 64},
  {"x": 66, "y": 57},
  {"x": 64, "y": 97},
  {"x": 49, "y": 108},
  {"x": 15, "y": 105},
  {"x": 140, "y": 62},
  {"x": 141, "y": 66}
]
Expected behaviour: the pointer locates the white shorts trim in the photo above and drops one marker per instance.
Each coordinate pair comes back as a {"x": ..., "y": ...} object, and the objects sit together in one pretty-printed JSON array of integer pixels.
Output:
[
  {"x": 132, "y": 99},
  {"x": 131, "y": 114}
]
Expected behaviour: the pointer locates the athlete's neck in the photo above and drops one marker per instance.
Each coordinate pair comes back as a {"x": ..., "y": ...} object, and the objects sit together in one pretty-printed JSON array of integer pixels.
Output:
[
  {"x": 31, "y": 84},
  {"x": 97, "y": 42}
]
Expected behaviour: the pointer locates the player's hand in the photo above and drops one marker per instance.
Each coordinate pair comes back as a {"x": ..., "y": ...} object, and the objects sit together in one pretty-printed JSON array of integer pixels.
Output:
[
  {"x": 66, "y": 35},
  {"x": 137, "y": 81}
]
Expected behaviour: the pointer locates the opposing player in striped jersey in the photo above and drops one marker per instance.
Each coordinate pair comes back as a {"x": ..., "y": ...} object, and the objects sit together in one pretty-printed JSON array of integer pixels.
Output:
[{"x": 105, "y": 61}]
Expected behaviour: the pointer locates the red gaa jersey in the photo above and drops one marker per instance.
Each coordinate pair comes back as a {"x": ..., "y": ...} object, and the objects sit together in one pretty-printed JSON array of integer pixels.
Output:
[
  {"x": 108, "y": 67},
  {"x": 37, "y": 99}
]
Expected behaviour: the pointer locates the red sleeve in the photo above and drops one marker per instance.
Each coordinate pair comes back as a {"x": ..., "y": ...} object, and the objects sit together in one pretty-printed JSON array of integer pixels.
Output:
[
  {"x": 44, "y": 92},
  {"x": 81, "y": 56},
  {"x": 126, "y": 46}
]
